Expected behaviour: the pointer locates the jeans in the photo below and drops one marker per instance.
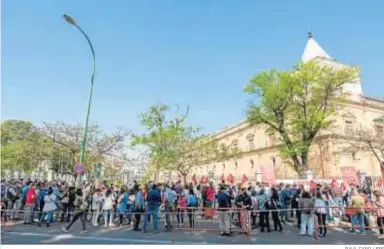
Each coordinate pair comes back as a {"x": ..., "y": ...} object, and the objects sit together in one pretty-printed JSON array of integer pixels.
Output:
[
  {"x": 95, "y": 216},
  {"x": 79, "y": 215},
  {"x": 191, "y": 217},
  {"x": 322, "y": 222},
  {"x": 169, "y": 207},
  {"x": 28, "y": 215},
  {"x": 67, "y": 210},
  {"x": 10, "y": 209},
  {"x": 151, "y": 210},
  {"x": 380, "y": 224},
  {"x": 264, "y": 220},
  {"x": 49, "y": 219},
  {"x": 108, "y": 216},
  {"x": 358, "y": 219},
  {"x": 276, "y": 220},
  {"x": 180, "y": 216},
  {"x": 306, "y": 222},
  {"x": 224, "y": 221}
]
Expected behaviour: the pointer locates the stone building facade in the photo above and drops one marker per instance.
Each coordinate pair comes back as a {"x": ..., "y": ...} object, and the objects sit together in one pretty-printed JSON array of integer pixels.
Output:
[{"x": 327, "y": 154}]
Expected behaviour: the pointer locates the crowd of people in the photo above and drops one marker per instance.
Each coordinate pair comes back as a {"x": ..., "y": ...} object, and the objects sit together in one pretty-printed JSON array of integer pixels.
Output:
[{"x": 236, "y": 206}]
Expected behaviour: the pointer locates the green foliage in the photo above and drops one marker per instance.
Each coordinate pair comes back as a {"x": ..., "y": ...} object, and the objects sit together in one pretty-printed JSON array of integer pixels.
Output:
[
  {"x": 173, "y": 145},
  {"x": 297, "y": 104},
  {"x": 20, "y": 148},
  {"x": 24, "y": 146}
]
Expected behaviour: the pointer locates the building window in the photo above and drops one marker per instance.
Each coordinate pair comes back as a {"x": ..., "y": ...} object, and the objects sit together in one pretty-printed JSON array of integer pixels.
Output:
[
  {"x": 235, "y": 165},
  {"x": 252, "y": 164},
  {"x": 380, "y": 131},
  {"x": 348, "y": 127},
  {"x": 235, "y": 143},
  {"x": 223, "y": 166},
  {"x": 273, "y": 160},
  {"x": 251, "y": 141}
]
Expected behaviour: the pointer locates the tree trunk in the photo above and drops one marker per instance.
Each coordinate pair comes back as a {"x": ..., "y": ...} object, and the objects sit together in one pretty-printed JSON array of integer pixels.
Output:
[
  {"x": 304, "y": 163},
  {"x": 184, "y": 178},
  {"x": 297, "y": 166}
]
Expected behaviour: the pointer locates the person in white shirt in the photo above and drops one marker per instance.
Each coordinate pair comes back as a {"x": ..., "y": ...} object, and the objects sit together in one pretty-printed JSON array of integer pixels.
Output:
[
  {"x": 96, "y": 206},
  {"x": 108, "y": 207}
]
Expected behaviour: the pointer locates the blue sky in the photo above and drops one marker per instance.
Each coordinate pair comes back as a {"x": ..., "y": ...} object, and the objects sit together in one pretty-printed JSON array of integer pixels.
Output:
[{"x": 198, "y": 53}]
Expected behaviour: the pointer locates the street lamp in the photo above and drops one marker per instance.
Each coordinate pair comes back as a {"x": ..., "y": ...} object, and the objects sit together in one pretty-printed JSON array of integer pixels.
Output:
[{"x": 71, "y": 21}]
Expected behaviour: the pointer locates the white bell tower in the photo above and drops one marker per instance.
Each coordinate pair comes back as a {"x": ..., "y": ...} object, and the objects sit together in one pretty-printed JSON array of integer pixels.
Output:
[{"x": 313, "y": 51}]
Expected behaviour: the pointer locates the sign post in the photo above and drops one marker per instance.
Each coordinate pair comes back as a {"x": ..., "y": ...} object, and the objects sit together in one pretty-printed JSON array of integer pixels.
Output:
[{"x": 98, "y": 175}]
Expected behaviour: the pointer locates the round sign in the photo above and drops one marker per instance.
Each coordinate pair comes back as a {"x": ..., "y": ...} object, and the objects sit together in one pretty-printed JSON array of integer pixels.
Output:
[{"x": 79, "y": 168}]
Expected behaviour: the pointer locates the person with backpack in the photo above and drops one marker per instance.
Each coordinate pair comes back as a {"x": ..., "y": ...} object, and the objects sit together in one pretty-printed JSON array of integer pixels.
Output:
[
  {"x": 170, "y": 198},
  {"x": 81, "y": 204},
  {"x": 306, "y": 205},
  {"x": 139, "y": 208},
  {"x": 192, "y": 203},
  {"x": 274, "y": 206},
  {"x": 264, "y": 214},
  {"x": 12, "y": 197}
]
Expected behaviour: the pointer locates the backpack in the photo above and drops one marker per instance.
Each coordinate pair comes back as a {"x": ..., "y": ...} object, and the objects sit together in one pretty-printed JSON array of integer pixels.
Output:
[
  {"x": 169, "y": 196},
  {"x": 307, "y": 207},
  {"x": 10, "y": 196},
  {"x": 192, "y": 200}
]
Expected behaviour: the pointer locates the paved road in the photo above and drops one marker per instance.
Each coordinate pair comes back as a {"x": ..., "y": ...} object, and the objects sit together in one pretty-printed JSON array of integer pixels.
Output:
[{"x": 29, "y": 234}]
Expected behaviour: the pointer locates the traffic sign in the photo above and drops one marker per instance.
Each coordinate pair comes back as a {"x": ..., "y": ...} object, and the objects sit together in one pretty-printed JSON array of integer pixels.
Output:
[{"x": 79, "y": 168}]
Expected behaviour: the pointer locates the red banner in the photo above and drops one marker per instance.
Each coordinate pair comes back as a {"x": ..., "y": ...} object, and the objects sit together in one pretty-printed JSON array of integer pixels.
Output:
[
  {"x": 333, "y": 183},
  {"x": 268, "y": 174},
  {"x": 349, "y": 176},
  {"x": 230, "y": 178},
  {"x": 244, "y": 179},
  {"x": 312, "y": 185},
  {"x": 194, "y": 179}
]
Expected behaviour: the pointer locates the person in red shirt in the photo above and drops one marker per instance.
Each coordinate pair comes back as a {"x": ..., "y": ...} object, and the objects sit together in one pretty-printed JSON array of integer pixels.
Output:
[
  {"x": 211, "y": 192},
  {"x": 30, "y": 201}
]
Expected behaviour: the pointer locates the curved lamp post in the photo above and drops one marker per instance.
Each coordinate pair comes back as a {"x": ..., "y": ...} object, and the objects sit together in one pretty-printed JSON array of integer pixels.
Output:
[{"x": 71, "y": 21}]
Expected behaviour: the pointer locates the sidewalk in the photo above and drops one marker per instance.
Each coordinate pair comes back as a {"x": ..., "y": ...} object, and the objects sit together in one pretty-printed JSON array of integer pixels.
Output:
[{"x": 30, "y": 234}]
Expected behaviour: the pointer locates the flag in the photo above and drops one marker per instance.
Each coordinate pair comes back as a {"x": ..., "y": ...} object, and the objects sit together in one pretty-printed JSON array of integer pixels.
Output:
[
  {"x": 244, "y": 179},
  {"x": 230, "y": 178},
  {"x": 333, "y": 183},
  {"x": 380, "y": 182},
  {"x": 312, "y": 185},
  {"x": 203, "y": 180},
  {"x": 342, "y": 186},
  {"x": 194, "y": 179}
]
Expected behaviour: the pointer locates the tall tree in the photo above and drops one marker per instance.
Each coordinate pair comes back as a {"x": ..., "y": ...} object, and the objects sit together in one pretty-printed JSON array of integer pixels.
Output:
[
  {"x": 101, "y": 147},
  {"x": 297, "y": 104},
  {"x": 368, "y": 140},
  {"x": 23, "y": 147},
  {"x": 175, "y": 146}
]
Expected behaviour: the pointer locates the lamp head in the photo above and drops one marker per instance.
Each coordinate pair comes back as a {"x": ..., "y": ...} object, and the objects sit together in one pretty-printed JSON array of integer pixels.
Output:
[{"x": 69, "y": 20}]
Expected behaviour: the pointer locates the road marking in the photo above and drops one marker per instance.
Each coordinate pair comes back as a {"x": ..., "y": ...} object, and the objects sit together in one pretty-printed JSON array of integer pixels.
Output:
[{"x": 70, "y": 236}]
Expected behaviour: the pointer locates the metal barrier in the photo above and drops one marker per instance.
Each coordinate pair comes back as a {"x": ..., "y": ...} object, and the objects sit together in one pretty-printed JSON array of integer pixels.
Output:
[
  {"x": 212, "y": 219},
  {"x": 239, "y": 220}
]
